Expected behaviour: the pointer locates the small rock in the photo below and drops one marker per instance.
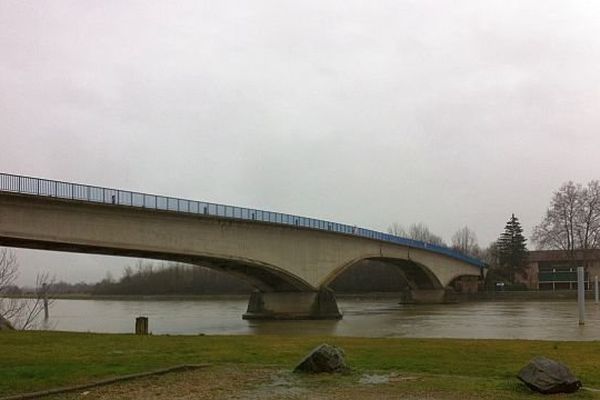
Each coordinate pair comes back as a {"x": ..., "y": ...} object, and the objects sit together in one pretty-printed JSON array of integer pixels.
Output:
[
  {"x": 324, "y": 358},
  {"x": 548, "y": 376}
]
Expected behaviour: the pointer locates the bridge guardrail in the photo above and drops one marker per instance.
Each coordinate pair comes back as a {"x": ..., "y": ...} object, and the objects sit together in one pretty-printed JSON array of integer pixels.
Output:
[{"x": 96, "y": 194}]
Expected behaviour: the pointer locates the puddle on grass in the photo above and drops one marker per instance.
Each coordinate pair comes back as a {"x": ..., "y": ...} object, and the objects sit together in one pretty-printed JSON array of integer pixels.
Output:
[
  {"x": 374, "y": 379},
  {"x": 282, "y": 385}
]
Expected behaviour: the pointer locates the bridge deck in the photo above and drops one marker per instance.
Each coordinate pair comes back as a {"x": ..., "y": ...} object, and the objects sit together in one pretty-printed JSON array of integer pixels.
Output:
[{"x": 94, "y": 194}]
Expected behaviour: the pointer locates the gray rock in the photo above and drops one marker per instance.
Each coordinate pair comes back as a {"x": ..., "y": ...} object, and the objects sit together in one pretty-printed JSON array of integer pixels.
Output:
[
  {"x": 548, "y": 376},
  {"x": 324, "y": 358},
  {"x": 5, "y": 324}
]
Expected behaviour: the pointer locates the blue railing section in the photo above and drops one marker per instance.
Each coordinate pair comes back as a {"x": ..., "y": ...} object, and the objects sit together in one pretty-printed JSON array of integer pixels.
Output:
[{"x": 95, "y": 194}]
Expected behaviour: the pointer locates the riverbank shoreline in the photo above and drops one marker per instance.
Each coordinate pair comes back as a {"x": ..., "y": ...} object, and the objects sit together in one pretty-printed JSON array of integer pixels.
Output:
[
  {"x": 134, "y": 297},
  {"x": 518, "y": 295},
  {"x": 450, "y": 368}
]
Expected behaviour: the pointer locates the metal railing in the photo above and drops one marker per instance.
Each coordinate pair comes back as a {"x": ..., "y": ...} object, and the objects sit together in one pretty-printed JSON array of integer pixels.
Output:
[{"x": 73, "y": 191}]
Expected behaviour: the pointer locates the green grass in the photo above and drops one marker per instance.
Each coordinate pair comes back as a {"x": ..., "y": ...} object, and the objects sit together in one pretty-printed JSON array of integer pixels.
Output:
[{"x": 39, "y": 360}]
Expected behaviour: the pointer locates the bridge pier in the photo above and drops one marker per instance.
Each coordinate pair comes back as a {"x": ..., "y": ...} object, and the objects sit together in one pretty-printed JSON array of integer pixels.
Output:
[
  {"x": 293, "y": 305},
  {"x": 429, "y": 296}
]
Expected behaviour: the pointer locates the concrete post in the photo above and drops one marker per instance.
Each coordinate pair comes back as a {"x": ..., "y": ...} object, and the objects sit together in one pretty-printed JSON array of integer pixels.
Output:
[
  {"x": 581, "y": 294},
  {"x": 596, "y": 288}
]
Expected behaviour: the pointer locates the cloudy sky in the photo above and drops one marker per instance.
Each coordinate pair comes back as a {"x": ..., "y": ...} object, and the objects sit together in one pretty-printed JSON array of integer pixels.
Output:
[{"x": 449, "y": 113}]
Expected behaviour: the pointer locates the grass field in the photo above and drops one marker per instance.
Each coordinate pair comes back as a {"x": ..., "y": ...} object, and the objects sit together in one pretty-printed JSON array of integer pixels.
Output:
[{"x": 32, "y": 361}]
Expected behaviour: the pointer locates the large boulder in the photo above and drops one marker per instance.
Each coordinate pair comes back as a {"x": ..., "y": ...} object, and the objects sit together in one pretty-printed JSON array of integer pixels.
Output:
[
  {"x": 548, "y": 376},
  {"x": 324, "y": 358}
]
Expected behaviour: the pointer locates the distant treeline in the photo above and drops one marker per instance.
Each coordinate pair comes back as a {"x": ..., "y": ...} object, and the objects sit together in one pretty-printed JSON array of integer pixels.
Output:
[
  {"x": 166, "y": 279},
  {"x": 184, "y": 279}
]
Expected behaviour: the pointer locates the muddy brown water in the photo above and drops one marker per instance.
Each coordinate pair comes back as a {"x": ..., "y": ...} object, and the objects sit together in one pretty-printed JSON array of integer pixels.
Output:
[{"x": 547, "y": 320}]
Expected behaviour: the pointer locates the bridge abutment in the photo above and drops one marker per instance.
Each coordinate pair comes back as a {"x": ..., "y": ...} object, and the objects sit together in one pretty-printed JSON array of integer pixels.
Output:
[{"x": 293, "y": 305}]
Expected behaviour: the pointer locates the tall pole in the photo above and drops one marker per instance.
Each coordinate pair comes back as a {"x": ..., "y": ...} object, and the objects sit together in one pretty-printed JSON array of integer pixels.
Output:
[
  {"x": 596, "y": 288},
  {"x": 581, "y": 295}
]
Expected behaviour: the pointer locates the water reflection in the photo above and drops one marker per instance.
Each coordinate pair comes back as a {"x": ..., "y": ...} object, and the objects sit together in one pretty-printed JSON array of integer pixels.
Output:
[{"x": 551, "y": 320}]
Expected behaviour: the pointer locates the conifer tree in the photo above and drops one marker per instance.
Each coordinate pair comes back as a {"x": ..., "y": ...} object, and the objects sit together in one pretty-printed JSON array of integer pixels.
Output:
[{"x": 512, "y": 248}]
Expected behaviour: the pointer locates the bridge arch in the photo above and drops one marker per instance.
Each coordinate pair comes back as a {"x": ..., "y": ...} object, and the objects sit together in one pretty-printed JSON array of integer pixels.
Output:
[
  {"x": 418, "y": 275},
  {"x": 261, "y": 275},
  {"x": 264, "y": 277},
  {"x": 466, "y": 283}
]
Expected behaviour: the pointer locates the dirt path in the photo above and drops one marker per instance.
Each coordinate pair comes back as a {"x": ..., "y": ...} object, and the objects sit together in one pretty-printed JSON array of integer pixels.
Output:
[{"x": 260, "y": 383}]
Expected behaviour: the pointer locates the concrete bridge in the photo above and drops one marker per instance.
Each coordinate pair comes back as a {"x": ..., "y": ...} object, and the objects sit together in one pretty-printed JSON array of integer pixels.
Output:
[{"x": 289, "y": 259}]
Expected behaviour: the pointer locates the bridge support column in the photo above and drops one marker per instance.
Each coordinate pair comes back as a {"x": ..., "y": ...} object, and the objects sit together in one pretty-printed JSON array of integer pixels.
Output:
[
  {"x": 293, "y": 305},
  {"x": 429, "y": 296}
]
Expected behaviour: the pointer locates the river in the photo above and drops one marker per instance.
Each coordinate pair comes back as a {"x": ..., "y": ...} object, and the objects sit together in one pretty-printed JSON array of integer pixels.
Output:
[{"x": 547, "y": 320}]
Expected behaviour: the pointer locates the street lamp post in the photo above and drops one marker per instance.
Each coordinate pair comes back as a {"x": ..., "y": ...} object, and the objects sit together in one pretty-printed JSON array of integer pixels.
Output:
[{"x": 581, "y": 294}]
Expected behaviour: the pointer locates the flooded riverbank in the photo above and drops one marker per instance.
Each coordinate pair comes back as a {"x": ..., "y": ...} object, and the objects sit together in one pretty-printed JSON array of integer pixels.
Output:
[{"x": 363, "y": 317}]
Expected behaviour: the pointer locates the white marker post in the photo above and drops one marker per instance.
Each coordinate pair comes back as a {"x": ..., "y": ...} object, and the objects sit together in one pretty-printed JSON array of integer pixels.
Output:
[
  {"x": 596, "y": 288},
  {"x": 581, "y": 295}
]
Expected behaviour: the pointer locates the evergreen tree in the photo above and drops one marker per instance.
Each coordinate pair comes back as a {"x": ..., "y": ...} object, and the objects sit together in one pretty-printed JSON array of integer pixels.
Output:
[{"x": 512, "y": 248}]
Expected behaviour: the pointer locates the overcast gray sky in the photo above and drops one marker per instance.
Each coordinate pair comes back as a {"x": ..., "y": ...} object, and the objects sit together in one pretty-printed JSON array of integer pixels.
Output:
[{"x": 451, "y": 113}]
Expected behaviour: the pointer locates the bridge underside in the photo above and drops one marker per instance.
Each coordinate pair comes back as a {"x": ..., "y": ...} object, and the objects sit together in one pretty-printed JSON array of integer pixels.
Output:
[{"x": 263, "y": 277}]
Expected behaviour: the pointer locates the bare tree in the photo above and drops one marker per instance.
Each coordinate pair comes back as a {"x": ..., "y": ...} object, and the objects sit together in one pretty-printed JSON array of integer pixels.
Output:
[
  {"x": 588, "y": 217},
  {"x": 9, "y": 306},
  {"x": 418, "y": 231},
  {"x": 421, "y": 232},
  {"x": 396, "y": 229},
  {"x": 572, "y": 222},
  {"x": 21, "y": 313},
  {"x": 557, "y": 229},
  {"x": 465, "y": 241}
]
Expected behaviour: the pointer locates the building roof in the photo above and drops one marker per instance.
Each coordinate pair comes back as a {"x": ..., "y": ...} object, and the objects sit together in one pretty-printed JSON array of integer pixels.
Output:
[{"x": 562, "y": 255}]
